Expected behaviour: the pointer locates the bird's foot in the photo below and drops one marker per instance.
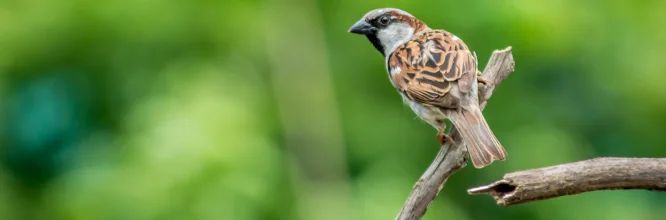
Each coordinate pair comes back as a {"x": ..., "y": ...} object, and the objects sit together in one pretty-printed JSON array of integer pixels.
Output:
[
  {"x": 484, "y": 81},
  {"x": 443, "y": 138}
]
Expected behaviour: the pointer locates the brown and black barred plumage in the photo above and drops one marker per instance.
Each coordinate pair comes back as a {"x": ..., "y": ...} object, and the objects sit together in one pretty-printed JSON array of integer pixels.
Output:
[{"x": 435, "y": 73}]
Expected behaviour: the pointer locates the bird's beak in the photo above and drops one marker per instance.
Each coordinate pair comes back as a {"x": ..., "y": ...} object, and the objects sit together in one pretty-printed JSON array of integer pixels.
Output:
[{"x": 362, "y": 27}]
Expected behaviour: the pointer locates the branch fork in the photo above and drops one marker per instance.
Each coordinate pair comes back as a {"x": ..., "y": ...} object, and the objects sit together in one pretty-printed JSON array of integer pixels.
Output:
[{"x": 536, "y": 184}]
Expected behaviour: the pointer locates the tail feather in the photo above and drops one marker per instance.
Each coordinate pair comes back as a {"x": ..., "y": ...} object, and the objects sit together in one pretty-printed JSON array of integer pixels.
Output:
[{"x": 483, "y": 146}]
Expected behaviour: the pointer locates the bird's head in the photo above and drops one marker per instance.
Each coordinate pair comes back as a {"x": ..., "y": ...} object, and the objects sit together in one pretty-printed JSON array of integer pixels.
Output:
[{"x": 388, "y": 28}]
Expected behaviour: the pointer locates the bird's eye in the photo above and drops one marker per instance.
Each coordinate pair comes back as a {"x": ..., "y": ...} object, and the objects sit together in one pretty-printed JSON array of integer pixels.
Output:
[{"x": 384, "y": 20}]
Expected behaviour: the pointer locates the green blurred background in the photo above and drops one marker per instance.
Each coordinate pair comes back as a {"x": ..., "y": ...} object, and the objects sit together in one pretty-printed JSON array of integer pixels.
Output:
[{"x": 269, "y": 109}]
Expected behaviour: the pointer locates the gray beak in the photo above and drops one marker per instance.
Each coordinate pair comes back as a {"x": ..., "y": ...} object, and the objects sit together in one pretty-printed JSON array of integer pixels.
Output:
[{"x": 362, "y": 27}]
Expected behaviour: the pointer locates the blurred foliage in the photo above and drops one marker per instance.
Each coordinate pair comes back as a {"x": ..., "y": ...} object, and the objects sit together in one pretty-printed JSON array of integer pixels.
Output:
[{"x": 141, "y": 109}]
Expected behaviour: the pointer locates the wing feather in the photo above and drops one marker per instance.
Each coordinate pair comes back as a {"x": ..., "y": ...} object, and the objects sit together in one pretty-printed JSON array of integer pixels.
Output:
[{"x": 430, "y": 65}]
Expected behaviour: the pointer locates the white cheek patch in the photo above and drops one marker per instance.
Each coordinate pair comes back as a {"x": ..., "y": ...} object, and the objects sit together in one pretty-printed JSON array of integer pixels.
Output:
[{"x": 395, "y": 35}]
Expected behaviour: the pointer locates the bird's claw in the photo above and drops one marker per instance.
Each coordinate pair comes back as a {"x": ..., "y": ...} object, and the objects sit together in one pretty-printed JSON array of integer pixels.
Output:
[
  {"x": 483, "y": 81},
  {"x": 443, "y": 138}
]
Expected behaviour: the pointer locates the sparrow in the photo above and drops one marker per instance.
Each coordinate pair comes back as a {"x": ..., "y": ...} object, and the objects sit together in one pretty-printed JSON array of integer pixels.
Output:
[{"x": 436, "y": 74}]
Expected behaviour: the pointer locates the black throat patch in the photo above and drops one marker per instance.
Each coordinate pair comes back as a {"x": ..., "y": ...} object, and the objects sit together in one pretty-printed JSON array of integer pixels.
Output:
[{"x": 375, "y": 42}]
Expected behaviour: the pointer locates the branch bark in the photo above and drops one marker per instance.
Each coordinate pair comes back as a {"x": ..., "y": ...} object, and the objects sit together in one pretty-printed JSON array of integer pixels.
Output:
[
  {"x": 578, "y": 177},
  {"x": 451, "y": 158}
]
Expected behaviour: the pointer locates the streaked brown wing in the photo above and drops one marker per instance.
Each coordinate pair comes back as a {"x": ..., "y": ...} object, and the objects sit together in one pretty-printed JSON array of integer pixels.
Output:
[{"x": 430, "y": 65}]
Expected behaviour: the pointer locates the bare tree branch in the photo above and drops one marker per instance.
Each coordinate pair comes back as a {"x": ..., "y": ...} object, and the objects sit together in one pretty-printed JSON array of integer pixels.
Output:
[
  {"x": 579, "y": 177},
  {"x": 451, "y": 158}
]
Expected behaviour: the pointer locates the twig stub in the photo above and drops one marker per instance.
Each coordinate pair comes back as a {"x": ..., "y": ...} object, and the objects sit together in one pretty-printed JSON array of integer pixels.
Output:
[{"x": 607, "y": 173}]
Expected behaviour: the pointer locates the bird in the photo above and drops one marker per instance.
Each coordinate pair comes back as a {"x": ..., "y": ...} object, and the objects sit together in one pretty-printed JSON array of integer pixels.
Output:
[{"x": 436, "y": 74}]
